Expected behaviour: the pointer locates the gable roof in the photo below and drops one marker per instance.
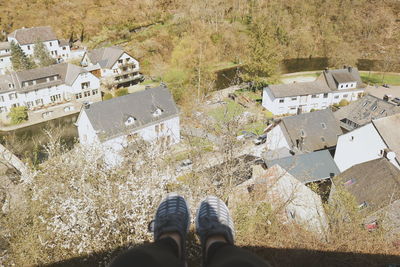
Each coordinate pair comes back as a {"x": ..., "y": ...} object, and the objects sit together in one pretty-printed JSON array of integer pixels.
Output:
[
  {"x": 108, "y": 117},
  {"x": 388, "y": 129},
  {"x": 310, "y": 167},
  {"x": 364, "y": 110},
  {"x": 32, "y": 35},
  {"x": 301, "y": 88},
  {"x": 67, "y": 74},
  {"x": 376, "y": 182},
  {"x": 105, "y": 56},
  {"x": 314, "y": 131},
  {"x": 345, "y": 75}
]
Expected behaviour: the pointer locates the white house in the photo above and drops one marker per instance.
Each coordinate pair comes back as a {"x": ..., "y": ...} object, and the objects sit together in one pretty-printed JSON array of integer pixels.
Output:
[
  {"x": 330, "y": 88},
  {"x": 377, "y": 139},
  {"x": 27, "y": 37},
  {"x": 113, "y": 63},
  {"x": 5, "y": 57},
  {"x": 290, "y": 199},
  {"x": 52, "y": 85},
  {"x": 305, "y": 132},
  {"x": 150, "y": 115}
]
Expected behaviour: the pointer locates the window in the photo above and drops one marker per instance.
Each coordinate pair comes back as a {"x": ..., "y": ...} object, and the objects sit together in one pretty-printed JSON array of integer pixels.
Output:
[
  {"x": 130, "y": 121},
  {"x": 13, "y": 96},
  {"x": 157, "y": 128},
  {"x": 115, "y": 70},
  {"x": 78, "y": 96},
  {"x": 383, "y": 111},
  {"x": 374, "y": 107},
  {"x": 95, "y": 91},
  {"x": 15, "y": 105},
  {"x": 3, "y": 109},
  {"x": 323, "y": 125},
  {"x": 29, "y": 47},
  {"x": 351, "y": 138},
  {"x": 281, "y": 100},
  {"x": 157, "y": 112},
  {"x": 29, "y": 104},
  {"x": 347, "y": 85},
  {"x": 120, "y": 61},
  {"x": 55, "y": 98},
  {"x": 294, "y": 98},
  {"x": 64, "y": 48},
  {"x": 2, "y": 98},
  {"x": 39, "y": 101},
  {"x": 345, "y": 96},
  {"x": 336, "y": 96},
  {"x": 50, "y": 43},
  {"x": 341, "y": 86},
  {"x": 326, "y": 95},
  {"x": 86, "y": 93},
  {"x": 85, "y": 85},
  {"x": 314, "y": 96},
  {"x": 365, "y": 103}
]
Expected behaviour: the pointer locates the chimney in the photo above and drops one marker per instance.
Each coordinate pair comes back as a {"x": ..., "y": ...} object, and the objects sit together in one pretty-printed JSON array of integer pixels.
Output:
[
  {"x": 349, "y": 68},
  {"x": 86, "y": 105}
]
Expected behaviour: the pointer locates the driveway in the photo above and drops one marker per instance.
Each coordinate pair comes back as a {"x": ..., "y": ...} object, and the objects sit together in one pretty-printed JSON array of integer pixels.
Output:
[{"x": 380, "y": 91}]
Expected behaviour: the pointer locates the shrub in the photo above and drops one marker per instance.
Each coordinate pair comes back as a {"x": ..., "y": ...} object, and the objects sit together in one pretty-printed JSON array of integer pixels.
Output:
[
  {"x": 343, "y": 103},
  {"x": 18, "y": 115},
  {"x": 121, "y": 92},
  {"x": 107, "y": 96}
]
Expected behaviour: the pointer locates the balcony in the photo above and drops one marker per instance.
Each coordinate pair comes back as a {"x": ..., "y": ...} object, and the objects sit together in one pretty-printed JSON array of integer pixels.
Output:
[{"x": 131, "y": 76}]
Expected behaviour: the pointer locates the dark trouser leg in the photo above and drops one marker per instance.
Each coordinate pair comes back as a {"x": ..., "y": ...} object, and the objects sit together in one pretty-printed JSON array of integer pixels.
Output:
[
  {"x": 224, "y": 255},
  {"x": 163, "y": 252}
]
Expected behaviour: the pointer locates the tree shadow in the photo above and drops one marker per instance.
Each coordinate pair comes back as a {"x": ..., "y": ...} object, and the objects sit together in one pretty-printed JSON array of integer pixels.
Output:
[{"x": 275, "y": 256}]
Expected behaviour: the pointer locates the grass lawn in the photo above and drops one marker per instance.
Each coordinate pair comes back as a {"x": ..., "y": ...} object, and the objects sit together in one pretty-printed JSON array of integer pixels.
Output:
[
  {"x": 255, "y": 127},
  {"x": 389, "y": 78},
  {"x": 226, "y": 112},
  {"x": 250, "y": 94}
]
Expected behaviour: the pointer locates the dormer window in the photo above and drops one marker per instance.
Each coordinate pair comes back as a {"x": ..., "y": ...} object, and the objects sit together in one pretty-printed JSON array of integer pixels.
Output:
[
  {"x": 130, "y": 121},
  {"x": 157, "y": 112},
  {"x": 323, "y": 125}
]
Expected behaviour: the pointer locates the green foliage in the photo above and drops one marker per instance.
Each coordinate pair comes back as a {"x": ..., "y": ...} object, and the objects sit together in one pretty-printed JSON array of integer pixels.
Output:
[
  {"x": 18, "y": 115},
  {"x": 107, "y": 96},
  {"x": 42, "y": 55},
  {"x": 378, "y": 78},
  {"x": 177, "y": 80},
  {"x": 19, "y": 60},
  {"x": 227, "y": 112},
  {"x": 343, "y": 103},
  {"x": 121, "y": 92},
  {"x": 264, "y": 57}
]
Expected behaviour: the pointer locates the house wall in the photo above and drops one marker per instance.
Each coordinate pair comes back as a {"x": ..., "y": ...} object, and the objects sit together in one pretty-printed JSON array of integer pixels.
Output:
[
  {"x": 276, "y": 139},
  {"x": 114, "y": 146},
  {"x": 115, "y": 69},
  {"x": 358, "y": 146},
  {"x": 87, "y": 135},
  {"x": 52, "y": 46},
  {"x": 5, "y": 63},
  {"x": 75, "y": 91},
  {"x": 305, "y": 103},
  {"x": 344, "y": 86}
]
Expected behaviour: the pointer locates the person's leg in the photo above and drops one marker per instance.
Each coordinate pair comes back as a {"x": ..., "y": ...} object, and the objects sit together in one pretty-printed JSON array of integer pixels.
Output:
[
  {"x": 170, "y": 227},
  {"x": 222, "y": 254},
  {"x": 163, "y": 252},
  {"x": 215, "y": 229}
]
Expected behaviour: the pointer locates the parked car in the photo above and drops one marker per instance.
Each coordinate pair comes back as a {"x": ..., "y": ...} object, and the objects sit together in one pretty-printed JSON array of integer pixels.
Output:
[
  {"x": 184, "y": 165},
  {"x": 385, "y": 85},
  {"x": 246, "y": 135},
  {"x": 260, "y": 139},
  {"x": 396, "y": 100}
]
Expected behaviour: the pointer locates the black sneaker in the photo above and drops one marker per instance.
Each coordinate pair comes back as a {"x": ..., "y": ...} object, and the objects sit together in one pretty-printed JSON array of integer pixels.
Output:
[
  {"x": 213, "y": 218},
  {"x": 172, "y": 216}
]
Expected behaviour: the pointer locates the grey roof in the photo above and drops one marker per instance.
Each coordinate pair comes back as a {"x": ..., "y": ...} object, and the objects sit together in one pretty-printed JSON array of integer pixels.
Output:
[
  {"x": 345, "y": 75},
  {"x": 108, "y": 117},
  {"x": 376, "y": 182},
  {"x": 366, "y": 109},
  {"x": 314, "y": 131},
  {"x": 388, "y": 129},
  {"x": 32, "y": 35},
  {"x": 310, "y": 167},
  {"x": 67, "y": 74},
  {"x": 63, "y": 42},
  {"x": 106, "y": 56},
  {"x": 5, "y": 45},
  {"x": 302, "y": 88}
]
